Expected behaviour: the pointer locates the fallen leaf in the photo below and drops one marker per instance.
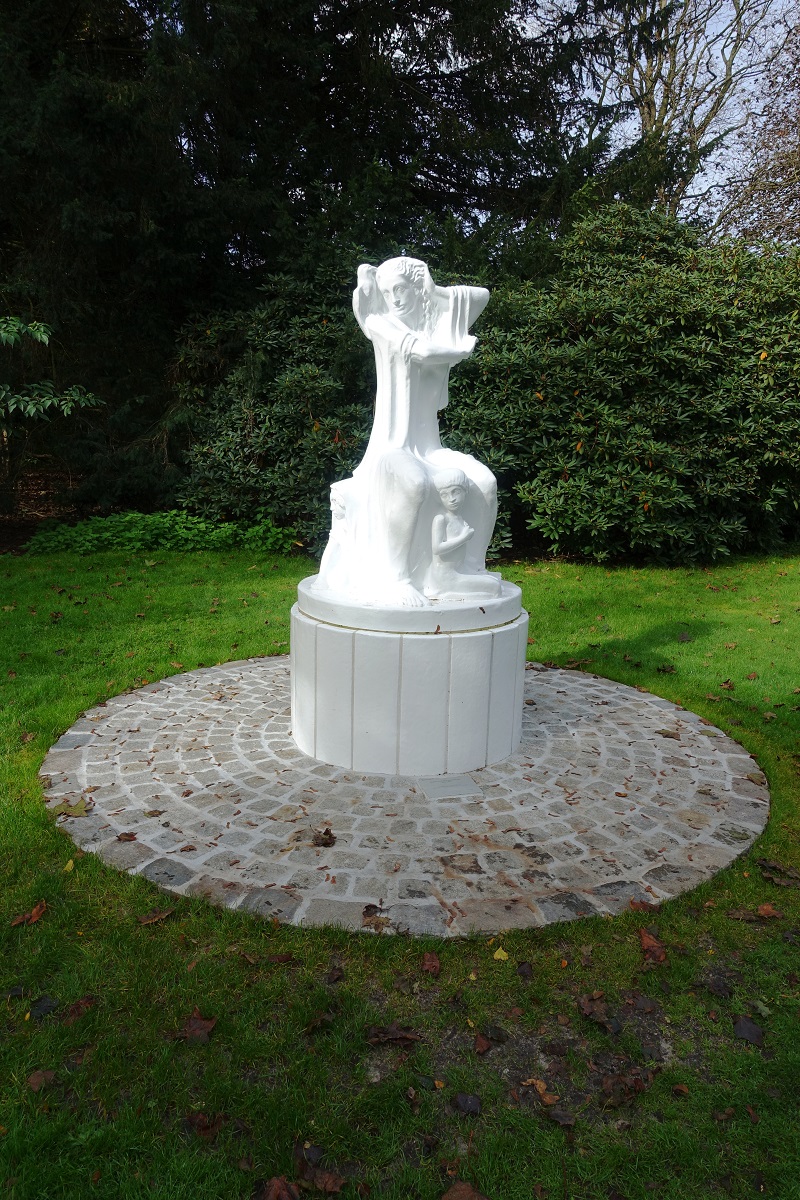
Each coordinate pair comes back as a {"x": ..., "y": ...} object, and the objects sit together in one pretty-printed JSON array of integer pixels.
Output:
[
  {"x": 654, "y": 951},
  {"x": 155, "y": 812},
  {"x": 279, "y": 958},
  {"x": 463, "y": 1191},
  {"x": 155, "y": 915},
  {"x": 525, "y": 970},
  {"x": 307, "y": 1157},
  {"x": 482, "y": 1044},
  {"x": 30, "y": 918},
  {"x": 126, "y": 837},
  {"x": 725, "y": 1115},
  {"x": 500, "y": 954},
  {"x": 77, "y": 1009},
  {"x": 187, "y": 847},
  {"x": 767, "y": 910},
  {"x": 431, "y": 964},
  {"x": 595, "y": 1008},
  {"x": 378, "y": 1035},
  {"x": 644, "y": 906},
  {"x": 748, "y": 1031},
  {"x": 69, "y": 864},
  {"x": 680, "y": 1089},
  {"x": 38, "y": 1079},
  {"x": 277, "y": 1188},
  {"x": 196, "y": 1028},
  {"x": 669, "y": 733},
  {"x": 753, "y": 1115},
  {"x": 324, "y": 837},
  {"x": 204, "y": 1126},
  {"x": 65, "y": 809}
]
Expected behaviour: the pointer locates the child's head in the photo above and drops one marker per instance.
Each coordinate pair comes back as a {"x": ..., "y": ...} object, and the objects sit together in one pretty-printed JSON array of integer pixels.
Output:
[{"x": 452, "y": 486}]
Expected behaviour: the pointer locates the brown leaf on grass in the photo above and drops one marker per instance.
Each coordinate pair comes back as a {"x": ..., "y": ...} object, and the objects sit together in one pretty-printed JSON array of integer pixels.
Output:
[
  {"x": 324, "y": 837},
  {"x": 77, "y": 1009},
  {"x": 742, "y": 914},
  {"x": 725, "y": 1115},
  {"x": 126, "y": 837},
  {"x": 463, "y": 1191},
  {"x": 776, "y": 873},
  {"x": 279, "y": 958},
  {"x": 547, "y": 1097},
  {"x": 643, "y": 905},
  {"x": 753, "y": 675},
  {"x": 482, "y": 1044},
  {"x": 306, "y": 1159},
  {"x": 680, "y": 1089},
  {"x": 206, "y": 1127},
  {"x": 378, "y": 1035},
  {"x": 155, "y": 915},
  {"x": 752, "y": 1114},
  {"x": 622, "y": 1088},
  {"x": 431, "y": 964},
  {"x": 277, "y": 1188},
  {"x": 38, "y": 1079},
  {"x": 728, "y": 685},
  {"x": 27, "y": 737},
  {"x": 525, "y": 970},
  {"x": 196, "y": 1028},
  {"x": 767, "y": 910},
  {"x": 595, "y": 1008},
  {"x": 30, "y": 918},
  {"x": 654, "y": 951}
]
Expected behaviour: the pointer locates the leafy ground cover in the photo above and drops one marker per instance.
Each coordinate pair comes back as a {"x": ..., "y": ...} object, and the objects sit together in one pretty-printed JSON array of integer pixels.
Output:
[{"x": 160, "y": 1047}]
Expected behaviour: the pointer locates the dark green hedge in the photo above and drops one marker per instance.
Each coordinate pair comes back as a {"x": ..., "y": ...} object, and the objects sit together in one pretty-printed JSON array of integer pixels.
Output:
[{"x": 646, "y": 402}]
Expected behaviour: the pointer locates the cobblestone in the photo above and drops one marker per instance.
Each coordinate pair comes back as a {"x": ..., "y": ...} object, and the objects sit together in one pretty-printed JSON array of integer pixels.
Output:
[{"x": 596, "y": 809}]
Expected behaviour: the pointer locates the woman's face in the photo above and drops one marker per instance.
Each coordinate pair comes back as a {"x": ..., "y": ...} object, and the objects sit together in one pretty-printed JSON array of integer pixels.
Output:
[{"x": 403, "y": 300}]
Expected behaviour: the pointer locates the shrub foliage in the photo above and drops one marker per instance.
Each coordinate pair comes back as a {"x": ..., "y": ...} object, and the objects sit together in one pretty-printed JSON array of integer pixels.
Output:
[
  {"x": 645, "y": 401},
  {"x": 174, "y": 530}
]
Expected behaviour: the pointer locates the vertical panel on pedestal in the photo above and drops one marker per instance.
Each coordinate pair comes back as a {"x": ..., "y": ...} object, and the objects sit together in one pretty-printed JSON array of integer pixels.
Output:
[
  {"x": 423, "y": 698},
  {"x": 469, "y": 701},
  {"x": 304, "y": 666},
  {"x": 502, "y": 693},
  {"x": 334, "y": 695},
  {"x": 376, "y": 700}
]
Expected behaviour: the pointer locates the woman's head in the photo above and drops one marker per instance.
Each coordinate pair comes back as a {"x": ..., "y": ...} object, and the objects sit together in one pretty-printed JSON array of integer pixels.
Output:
[{"x": 404, "y": 284}]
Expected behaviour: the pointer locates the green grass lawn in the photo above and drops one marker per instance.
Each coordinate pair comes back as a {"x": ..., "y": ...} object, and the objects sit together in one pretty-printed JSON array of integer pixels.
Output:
[{"x": 102, "y": 1099}]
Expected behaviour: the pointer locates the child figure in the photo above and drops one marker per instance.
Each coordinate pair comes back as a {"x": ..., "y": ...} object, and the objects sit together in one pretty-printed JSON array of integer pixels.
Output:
[{"x": 449, "y": 536}]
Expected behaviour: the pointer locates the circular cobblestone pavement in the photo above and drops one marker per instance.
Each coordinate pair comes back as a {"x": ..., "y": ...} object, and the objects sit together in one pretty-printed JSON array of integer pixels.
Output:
[{"x": 195, "y": 783}]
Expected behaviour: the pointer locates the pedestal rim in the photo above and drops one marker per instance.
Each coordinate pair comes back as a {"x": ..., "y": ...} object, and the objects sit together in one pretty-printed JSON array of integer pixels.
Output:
[{"x": 437, "y": 616}]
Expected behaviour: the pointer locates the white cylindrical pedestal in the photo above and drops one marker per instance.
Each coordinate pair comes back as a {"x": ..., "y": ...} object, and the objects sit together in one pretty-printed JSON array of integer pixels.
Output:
[{"x": 378, "y": 701}]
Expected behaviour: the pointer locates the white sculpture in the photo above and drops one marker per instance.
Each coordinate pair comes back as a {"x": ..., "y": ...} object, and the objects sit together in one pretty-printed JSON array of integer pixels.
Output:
[
  {"x": 398, "y": 537},
  {"x": 408, "y": 656}
]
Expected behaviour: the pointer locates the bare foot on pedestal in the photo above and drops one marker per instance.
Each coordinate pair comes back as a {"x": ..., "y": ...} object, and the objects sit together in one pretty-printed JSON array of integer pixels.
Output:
[{"x": 406, "y": 595}]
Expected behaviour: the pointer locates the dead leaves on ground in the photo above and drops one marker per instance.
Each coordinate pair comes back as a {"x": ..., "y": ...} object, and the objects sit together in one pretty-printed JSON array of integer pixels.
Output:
[
  {"x": 196, "y": 1029},
  {"x": 38, "y": 1079},
  {"x": 431, "y": 964},
  {"x": 654, "y": 950},
  {"x": 155, "y": 915},
  {"x": 403, "y": 1035},
  {"x": 787, "y": 877},
  {"x": 463, "y": 1191},
  {"x": 30, "y": 918},
  {"x": 307, "y": 1161}
]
